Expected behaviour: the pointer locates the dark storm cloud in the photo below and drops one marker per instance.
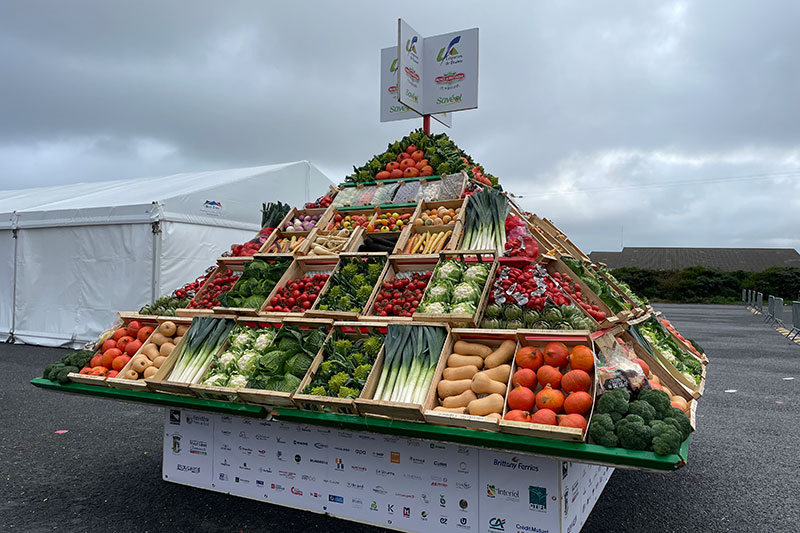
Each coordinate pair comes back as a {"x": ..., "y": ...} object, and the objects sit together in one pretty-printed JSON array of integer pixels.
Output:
[{"x": 574, "y": 96}]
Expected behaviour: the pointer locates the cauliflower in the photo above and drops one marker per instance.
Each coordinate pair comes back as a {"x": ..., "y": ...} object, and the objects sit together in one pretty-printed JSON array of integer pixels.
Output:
[
  {"x": 466, "y": 292},
  {"x": 216, "y": 380},
  {"x": 262, "y": 341},
  {"x": 226, "y": 361},
  {"x": 237, "y": 381},
  {"x": 241, "y": 340},
  {"x": 247, "y": 362}
]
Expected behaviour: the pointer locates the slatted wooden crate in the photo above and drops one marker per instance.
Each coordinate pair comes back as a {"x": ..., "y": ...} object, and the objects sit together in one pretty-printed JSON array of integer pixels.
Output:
[
  {"x": 557, "y": 265},
  {"x": 353, "y": 240},
  {"x": 325, "y": 213},
  {"x": 295, "y": 246},
  {"x": 223, "y": 269},
  {"x": 251, "y": 311},
  {"x": 451, "y": 240},
  {"x": 397, "y": 265},
  {"x": 299, "y": 268},
  {"x": 346, "y": 315}
]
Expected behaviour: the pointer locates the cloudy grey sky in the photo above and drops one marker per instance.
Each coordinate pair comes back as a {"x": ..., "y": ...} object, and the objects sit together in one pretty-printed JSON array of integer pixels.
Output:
[{"x": 675, "y": 123}]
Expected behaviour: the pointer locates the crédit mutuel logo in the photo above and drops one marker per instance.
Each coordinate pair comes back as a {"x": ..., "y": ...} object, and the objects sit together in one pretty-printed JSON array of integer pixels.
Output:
[{"x": 449, "y": 52}]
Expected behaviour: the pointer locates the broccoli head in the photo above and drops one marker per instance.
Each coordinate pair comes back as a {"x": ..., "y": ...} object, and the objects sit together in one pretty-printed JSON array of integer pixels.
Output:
[
  {"x": 364, "y": 292},
  {"x": 350, "y": 269},
  {"x": 359, "y": 358},
  {"x": 343, "y": 302},
  {"x": 681, "y": 422},
  {"x": 348, "y": 392},
  {"x": 601, "y": 430},
  {"x": 359, "y": 280},
  {"x": 342, "y": 346},
  {"x": 335, "y": 291},
  {"x": 614, "y": 403},
  {"x": 666, "y": 439},
  {"x": 319, "y": 390},
  {"x": 633, "y": 433},
  {"x": 372, "y": 346},
  {"x": 62, "y": 376},
  {"x": 362, "y": 371},
  {"x": 51, "y": 370},
  {"x": 374, "y": 271},
  {"x": 336, "y": 382},
  {"x": 325, "y": 367},
  {"x": 323, "y": 307},
  {"x": 658, "y": 399},
  {"x": 643, "y": 409}
]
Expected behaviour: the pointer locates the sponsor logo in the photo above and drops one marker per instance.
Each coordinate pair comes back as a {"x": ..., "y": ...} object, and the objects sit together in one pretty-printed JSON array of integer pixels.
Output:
[
  {"x": 435, "y": 446},
  {"x": 394, "y": 457},
  {"x": 425, "y": 498},
  {"x": 276, "y": 487},
  {"x": 176, "y": 443},
  {"x": 413, "y": 443},
  {"x": 242, "y": 480},
  {"x": 407, "y": 512},
  {"x": 259, "y": 483},
  {"x": 320, "y": 445},
  {"x": 442, "y": 501},
  {"x": 416, "y": 460},
  {"x": 226, "y": 432},
  {"x": 440, "y": 464},
  {"x": 393, "y": 66},
  {"x": 318, "y": 461},
  {"x": 497, "y": 524},
  {"x": 423, "y": 515},
  {"x": 280, "y": 455},
  {"x": 212, "y": 204},
  {"x": 224, "y": 462},
  {"x": 385, "y": 473},
  {"x": 188, "y": 468},
  {"x": 537, "y": 498},
  {"x": 373, "y": 506},
  {"x": 305, "y": 429},
  {"x": 331, "y": 481},
  {"x": 346, "y": 435},
  {"x": 339, "y": 464},
  {"x": 463, "y": 450},
  {"x": 266, "y": 470},
  {"x": 516, "y": 464},
  {"x": 358, "y": 468},
  {"x": 358, "y": 486},
  {"x": 402, "y": 495},
  {"x": 200, "y": 420},
  {"x": 366, "y": 437},
  {"x": 246, "y": 451},
  {"x": 438, "y": 484},
  {"x": 297, "y": 458},
  {"x": 390, "y": 508},
  {"x": 564, "y": 469},
  {"x": 449, "y": 78},
  {"x": 281, "y": 441},
  {"x": 379, "y": 490},
  {"x": 360, "y": 452},
  {"x": 223, "y": 476},
  {"x": 411, "y": 45},
  {"x": 174, "y": 417},
  {"x": 462, "y": 522},
  {"x": 379, "y": 455},
  {"x": 449, "y": 51},
  {"x": 357, "y": 503},
  {"x": 463, "y": 504},
  {"x": 493, "y": 491},
  {"x": 323, "y": 431},
  {"x": 297, "y": 492},
  {"x": 225, "y": 448},
  {"x": 262, "y": 453},
  {"x": 265, "y": 424},
  {"x": 462, "y": 468},
  {"x": 315, "y": 494},
  {"x": 299, "y": 443},
  {"x": 337, "y": 448},
  {"x": 449, "y": 100},
  {"x": 335, "y": 499},
  {"x": 287, "y": 475},
  {"x": 413, "y": 476},
  {"x": 463, "y": 485},
  {"x": 443, "y": 520},
  {"x": 306, "y": 477},
  {"x": 244, "y": 467},
  {"x": 243, "y": 435}
]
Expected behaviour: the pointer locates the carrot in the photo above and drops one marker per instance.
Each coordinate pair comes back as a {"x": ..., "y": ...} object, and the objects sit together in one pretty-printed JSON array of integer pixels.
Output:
[{"x": 410, "y": 244}]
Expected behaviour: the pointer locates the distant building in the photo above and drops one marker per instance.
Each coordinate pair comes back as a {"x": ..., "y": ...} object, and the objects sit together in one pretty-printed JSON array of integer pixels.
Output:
[{"x": 748, "y": 259}]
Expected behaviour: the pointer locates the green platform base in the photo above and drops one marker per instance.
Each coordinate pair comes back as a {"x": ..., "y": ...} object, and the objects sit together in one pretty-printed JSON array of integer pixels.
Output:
[{"x": 583, "y": 453}]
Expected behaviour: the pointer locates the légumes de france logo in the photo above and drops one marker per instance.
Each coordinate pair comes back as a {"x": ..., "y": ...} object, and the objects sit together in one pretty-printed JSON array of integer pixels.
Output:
[{"x": 449, "y": 50}]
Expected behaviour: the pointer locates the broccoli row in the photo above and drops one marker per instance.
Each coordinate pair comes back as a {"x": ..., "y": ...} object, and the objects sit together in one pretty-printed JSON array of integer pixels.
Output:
[
  {"x": 71, "y": 362},
  {"x": 346, "y": 366}
]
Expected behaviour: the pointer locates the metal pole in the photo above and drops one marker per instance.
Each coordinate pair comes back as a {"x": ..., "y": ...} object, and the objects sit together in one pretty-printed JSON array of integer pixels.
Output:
[{"x": 426, "y": 124}]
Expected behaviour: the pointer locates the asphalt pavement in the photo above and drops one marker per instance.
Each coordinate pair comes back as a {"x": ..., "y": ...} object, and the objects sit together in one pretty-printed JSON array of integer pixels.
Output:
[{"x": 104, "y": 473}]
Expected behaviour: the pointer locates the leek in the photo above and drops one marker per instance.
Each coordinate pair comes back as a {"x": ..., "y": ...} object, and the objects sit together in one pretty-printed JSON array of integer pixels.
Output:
[
  {"x": 203, "y": 340},
  {"x": 412, "y": 353},
  {"x": 485, "y": 221}
]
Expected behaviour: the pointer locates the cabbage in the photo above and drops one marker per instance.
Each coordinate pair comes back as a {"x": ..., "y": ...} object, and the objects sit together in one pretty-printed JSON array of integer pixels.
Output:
[
  {"x": 449, "y": 270},
  {"x": 466, "y": 292},
  {"x": 437, "y": 308},
  {"x": 477, "y": 274},
  {"x": 237, "y": 381},
  {"x": 441, "y": 291},
  {"x": 465, "y": 308}
]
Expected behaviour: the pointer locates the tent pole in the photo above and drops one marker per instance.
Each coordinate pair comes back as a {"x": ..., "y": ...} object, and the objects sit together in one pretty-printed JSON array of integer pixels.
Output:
[
  {"x": 15, "y": 235},
  {"x": 156, "y": 273}
]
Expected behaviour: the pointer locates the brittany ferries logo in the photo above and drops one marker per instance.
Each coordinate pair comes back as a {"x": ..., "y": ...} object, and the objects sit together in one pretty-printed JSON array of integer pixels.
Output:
[{"x": 212, "y": 204}]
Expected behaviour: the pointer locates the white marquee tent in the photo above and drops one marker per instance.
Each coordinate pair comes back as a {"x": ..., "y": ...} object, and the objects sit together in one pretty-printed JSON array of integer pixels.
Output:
[{"x": 74, "y": 255}]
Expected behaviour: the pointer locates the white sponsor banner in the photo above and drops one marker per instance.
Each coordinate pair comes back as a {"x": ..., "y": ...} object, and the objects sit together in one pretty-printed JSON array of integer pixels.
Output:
[
  {"x": 407, "y": 484},
  {"x": 409, "y": 67},
  {"x": 451, "y": 72},
  {"x": 391, "y": 108}
]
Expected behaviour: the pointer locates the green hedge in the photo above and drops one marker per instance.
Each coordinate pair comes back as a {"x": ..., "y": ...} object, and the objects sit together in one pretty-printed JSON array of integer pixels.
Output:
[{"x": 708, "y": 285}]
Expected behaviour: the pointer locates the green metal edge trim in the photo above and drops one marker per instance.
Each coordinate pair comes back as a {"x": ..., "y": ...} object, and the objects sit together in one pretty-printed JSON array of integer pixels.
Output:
[
  {"x": 367, "y": 183},
  {"x": 373, "y": 206},
  {"x": 579, "y": 452},
  {"x": 155, "y": 398}
]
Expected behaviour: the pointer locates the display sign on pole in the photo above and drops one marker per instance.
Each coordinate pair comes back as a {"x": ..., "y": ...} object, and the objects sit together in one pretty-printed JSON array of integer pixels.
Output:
[
  {"x": 410, "y": 64},
  {"x": 391, "y": 108}
]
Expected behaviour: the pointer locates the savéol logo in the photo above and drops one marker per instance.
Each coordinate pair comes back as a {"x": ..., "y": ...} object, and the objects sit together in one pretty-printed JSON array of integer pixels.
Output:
[
  {"x": 449, "y": 78},
  {"x": 212, "y": 204},
  {"x": 411, "y": 45},
  {"x": 449, "y": 50}
]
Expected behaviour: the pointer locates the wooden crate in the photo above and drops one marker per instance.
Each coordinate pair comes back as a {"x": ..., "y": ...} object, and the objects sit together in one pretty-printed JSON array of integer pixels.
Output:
[
  {"x": 161, "y": 382},
  {"x": 353, "y": 331},
  {"x": 354, "y": 240},
  {"x": 346, "y": 315},
  {"x": 139, "y": 384},
  {"x": 465, "y": 256},
  {"x": 368, "y": 212},
  {"x": 560, "y": 237},
  {"x": 539, "y": 339},
  {"x": 460, "y": 203},
  {"x": 123, "y": 319},
  {"x": 414, "y": 412},
  {"x": 395, "y": 265},
  {"x": 277, "y": 398},
  {"x": 325, "y": 214},
  {"x": 557, "y": 265},
  {"x": 412, "y": 212},
  {"x": 685, "y": 345},
  {"x": 223, "y": 268},
  {"x": 251, "y": 311},
  {"x": 277, "y": 235},
  {"x": 453, "y": 241},
  {"x": 298, "y": 269},
  {"x": 487, "y": 337}
]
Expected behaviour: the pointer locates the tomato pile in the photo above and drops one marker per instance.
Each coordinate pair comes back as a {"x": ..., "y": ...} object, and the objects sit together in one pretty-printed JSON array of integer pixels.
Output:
[
  {"x": 574, "y": 290},
  {"x": 221, "y": 284},
  {"x": 400, "y": 296},
  {"x": 298, "y": 295}
]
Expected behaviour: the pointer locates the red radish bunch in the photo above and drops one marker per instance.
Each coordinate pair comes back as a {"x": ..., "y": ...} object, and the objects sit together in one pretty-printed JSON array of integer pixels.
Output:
[
  {"x": 298, "y": 295},
  {"x": 400, "y": 296},
  {"x": 221, "y": 284},
  {"x": 574, "y": 290}
]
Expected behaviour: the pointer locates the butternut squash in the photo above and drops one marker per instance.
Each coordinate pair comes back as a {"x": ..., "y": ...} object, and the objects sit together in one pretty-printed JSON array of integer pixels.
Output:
[
  {"x": 462, "y": 400},
  {"x": 457, "y": 359},
  {"x": 472, "y": 348},
  {"x": 460, "y": 372},
  {"x": 496, "y": 416},
  {"x": 499, "y": 373},
  {"x": 448, "y": 388},
  {"x": 487, "y": 405},
  {"x": 501, "y": 355},
  {"x": 458, "y": 410},
  {"x": 483, "y": 384}
]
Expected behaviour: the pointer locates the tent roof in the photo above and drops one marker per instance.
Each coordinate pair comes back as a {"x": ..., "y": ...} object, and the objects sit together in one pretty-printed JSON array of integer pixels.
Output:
[{"x": 182, "y": 196}]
